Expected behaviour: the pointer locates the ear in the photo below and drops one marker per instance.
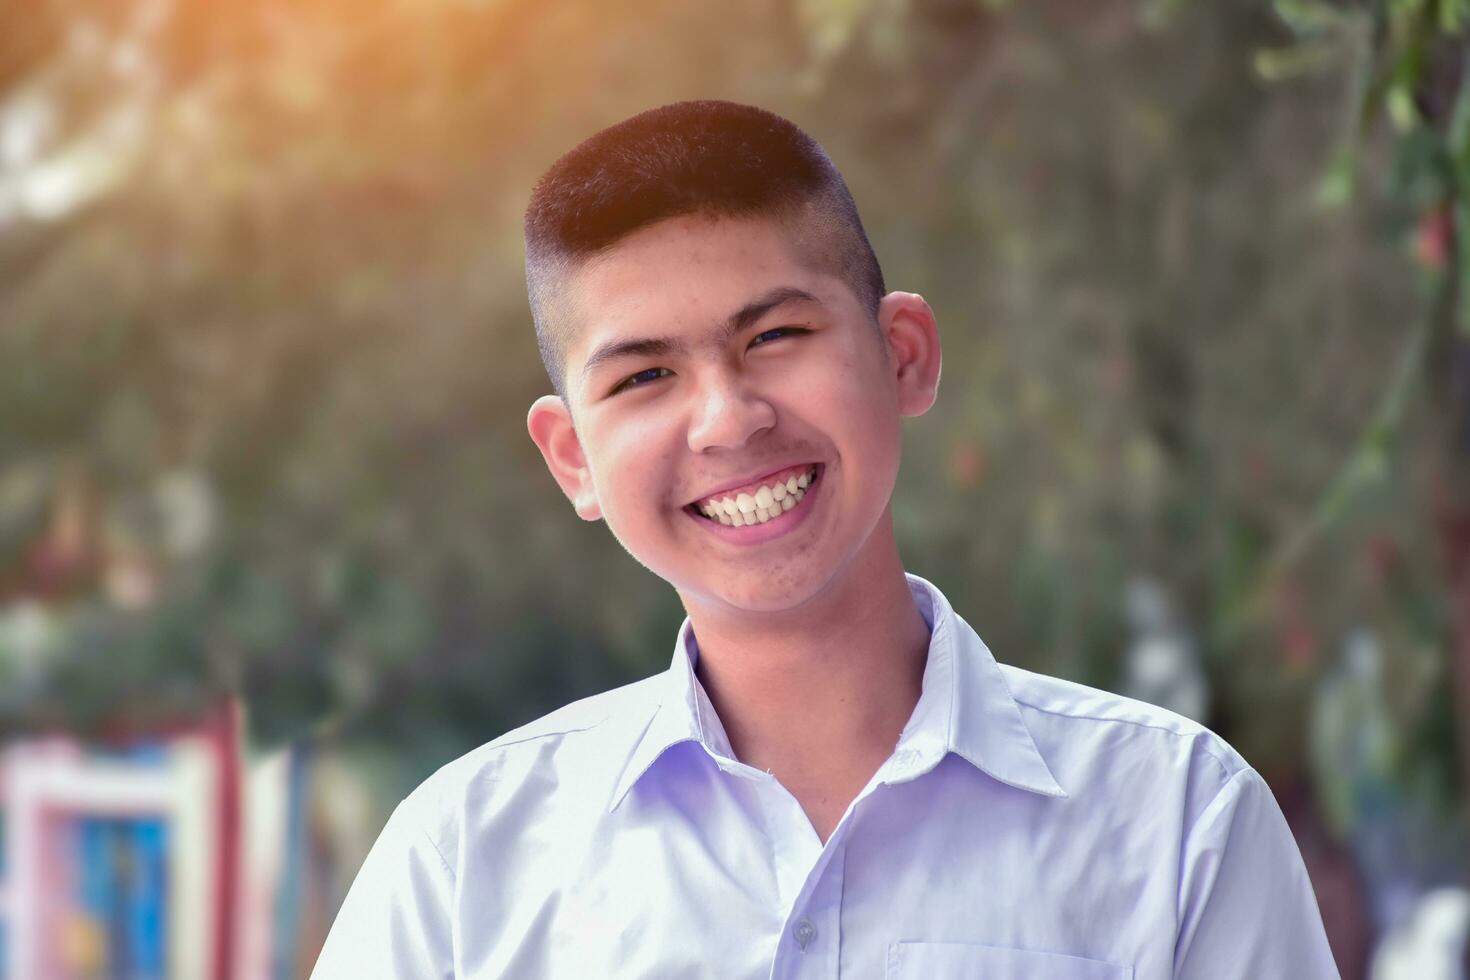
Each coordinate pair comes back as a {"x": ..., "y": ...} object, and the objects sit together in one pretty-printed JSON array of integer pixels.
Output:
[
  {"x": 550, "y": 425},
  {"x": 912, "y": 338}
]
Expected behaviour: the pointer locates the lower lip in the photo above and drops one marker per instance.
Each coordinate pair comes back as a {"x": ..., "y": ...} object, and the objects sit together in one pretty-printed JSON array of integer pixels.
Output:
[{"x": 774, "y": 528}]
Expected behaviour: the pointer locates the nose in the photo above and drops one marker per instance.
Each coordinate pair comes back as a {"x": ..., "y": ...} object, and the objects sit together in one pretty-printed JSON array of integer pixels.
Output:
[{"x": 727, "y": 414}]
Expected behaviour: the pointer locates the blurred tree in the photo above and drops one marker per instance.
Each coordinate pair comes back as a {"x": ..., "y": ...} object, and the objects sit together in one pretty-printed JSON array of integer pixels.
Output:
[
  {"x": 1404, "y": 62},
  {"x": 269, "y": 253}
]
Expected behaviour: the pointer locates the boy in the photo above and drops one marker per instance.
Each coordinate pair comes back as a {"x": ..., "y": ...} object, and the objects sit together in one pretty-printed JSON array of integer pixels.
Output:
[{"x": 834, "y": 777}]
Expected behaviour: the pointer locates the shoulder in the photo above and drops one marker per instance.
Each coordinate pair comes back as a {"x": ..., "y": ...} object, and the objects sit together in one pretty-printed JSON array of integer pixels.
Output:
[
  {"x": 619, "y": 704},
  {"x": 580, "y": 727},
  {"x": 578, "y": 745},
  {"x": 1090, "y": 731}
]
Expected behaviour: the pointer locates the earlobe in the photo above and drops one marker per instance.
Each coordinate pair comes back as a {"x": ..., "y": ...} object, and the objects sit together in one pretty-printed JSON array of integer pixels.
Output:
[
  {"x": 550, "y": 425},
  {"x": 912, "y": 337}
]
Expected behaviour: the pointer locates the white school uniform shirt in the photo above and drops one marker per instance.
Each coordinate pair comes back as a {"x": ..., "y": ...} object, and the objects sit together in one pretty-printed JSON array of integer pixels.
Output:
[{"x": 1024, "y": 828}]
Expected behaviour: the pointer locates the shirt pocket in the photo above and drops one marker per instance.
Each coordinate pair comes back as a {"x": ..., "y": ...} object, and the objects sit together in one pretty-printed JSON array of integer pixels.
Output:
[{"x": 961, "y": 961}]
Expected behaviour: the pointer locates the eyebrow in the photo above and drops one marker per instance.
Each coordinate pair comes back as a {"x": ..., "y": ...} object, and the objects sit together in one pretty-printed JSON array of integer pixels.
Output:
[{"x": 665, "y": 346}]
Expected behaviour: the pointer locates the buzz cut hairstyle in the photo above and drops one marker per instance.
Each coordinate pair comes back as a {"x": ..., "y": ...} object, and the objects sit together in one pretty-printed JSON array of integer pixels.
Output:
[{"x": 710, "y": 158}]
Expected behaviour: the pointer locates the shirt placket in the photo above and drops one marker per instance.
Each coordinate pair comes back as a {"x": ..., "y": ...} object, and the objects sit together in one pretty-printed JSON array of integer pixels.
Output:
[
  {"x": 811, "y": 876},
  {"x": 811, "y": 938}
]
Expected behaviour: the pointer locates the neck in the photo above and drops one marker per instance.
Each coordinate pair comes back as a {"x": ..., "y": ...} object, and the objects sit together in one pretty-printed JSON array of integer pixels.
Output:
[{"x": 825, "y": 688}]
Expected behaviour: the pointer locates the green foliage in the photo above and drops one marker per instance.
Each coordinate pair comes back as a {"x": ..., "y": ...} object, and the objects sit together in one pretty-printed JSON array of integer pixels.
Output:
[{"x": 304, "y": 296}]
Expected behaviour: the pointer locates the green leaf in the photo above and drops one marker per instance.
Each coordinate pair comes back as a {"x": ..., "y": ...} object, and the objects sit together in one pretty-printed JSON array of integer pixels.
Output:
[
  {"x": 1308, "y": 17},
  {"x": 1335, "y": 189},
  {"x": 1453, "y": 15},
  {"x": 1401, "y": 109},
  {"x": 1279, "y": 64}
]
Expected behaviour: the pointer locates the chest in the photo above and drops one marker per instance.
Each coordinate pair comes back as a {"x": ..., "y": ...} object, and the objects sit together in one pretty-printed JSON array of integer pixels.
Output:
[{"x": 944, "y": 876}]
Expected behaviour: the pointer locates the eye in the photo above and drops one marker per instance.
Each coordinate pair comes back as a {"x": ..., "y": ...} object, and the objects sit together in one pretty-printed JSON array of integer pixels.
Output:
[
  {"x": 776, "y": 332},
  {"x": 641, "y": 378}
]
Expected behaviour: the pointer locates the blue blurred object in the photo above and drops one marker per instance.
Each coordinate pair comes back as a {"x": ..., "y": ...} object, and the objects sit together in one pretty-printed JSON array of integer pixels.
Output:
[{"x": 147, "y": 905}]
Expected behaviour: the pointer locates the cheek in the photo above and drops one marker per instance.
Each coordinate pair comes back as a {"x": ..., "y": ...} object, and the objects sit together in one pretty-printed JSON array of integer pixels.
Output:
[
  {"x": 633, "y": 470},
  {"x": 863, "y": 401},
  {"x": 858, "y": 390}
]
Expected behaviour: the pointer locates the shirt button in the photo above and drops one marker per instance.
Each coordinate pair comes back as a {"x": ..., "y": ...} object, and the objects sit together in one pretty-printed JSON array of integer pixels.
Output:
[
  {"x": 905, "y": 759},
  {"x": 805, "y": 932}
]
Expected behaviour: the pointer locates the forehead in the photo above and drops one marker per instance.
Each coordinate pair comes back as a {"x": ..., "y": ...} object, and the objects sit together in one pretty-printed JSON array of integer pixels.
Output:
[{"x": 706, "y": 251}]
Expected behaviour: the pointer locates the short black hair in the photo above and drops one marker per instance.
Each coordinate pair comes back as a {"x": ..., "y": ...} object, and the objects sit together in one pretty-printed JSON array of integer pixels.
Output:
[{"x": 719, "y": 159}]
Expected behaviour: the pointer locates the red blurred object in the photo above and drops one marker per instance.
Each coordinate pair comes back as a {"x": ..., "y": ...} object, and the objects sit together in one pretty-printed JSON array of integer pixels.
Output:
[
  {"x": 1432, "y": 240},
  {"x": 1298, "y": 635},
  {"x": 966, "y": 465}
]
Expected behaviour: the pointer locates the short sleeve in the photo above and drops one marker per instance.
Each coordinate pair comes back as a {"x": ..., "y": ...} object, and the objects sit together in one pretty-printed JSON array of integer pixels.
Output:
[
  {"x": 395, "y": 921},
  {"x": 1246, "y": 905}
]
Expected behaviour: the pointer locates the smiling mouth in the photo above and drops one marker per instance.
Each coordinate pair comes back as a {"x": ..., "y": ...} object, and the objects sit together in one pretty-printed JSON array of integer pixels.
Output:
[{"x": 765, "y": 503}]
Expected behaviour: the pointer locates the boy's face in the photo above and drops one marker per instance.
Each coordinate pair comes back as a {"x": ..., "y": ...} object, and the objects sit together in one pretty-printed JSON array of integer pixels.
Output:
[{"x": 707, "y": 360}]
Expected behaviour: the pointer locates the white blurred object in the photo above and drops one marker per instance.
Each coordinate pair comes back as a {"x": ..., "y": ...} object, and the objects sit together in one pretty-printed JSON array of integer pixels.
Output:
[
  {"x": 28, "y": 632},
  {"x": 1430, "y": 943},
  {"x": 185, "y": 505},
  {"x": 265, "y": 840},
  {"x": 1161, "y": 664},
  {"x": 1351, "y": 734},
  {"x": 48, "y": 172}
]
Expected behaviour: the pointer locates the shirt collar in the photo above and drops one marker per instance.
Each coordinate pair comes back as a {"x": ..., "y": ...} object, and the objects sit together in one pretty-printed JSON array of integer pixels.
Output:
[
  {"x": 968, "y": 706},
  {"x": 965, "y": 707}
]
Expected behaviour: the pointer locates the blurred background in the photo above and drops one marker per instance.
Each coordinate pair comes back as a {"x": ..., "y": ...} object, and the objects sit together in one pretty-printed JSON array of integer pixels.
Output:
[{"x": 274, "y": 544}]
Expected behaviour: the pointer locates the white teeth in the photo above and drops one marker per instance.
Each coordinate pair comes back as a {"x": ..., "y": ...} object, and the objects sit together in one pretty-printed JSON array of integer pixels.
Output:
[{"x": 766, "y": 503}]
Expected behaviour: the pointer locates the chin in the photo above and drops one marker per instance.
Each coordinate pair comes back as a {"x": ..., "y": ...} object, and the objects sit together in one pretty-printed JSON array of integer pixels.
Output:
[{"x": 776, "y": 593}]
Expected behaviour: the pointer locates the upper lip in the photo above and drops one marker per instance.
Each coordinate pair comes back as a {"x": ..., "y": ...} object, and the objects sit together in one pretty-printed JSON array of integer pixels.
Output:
[{"x": 746, "y": 481}]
